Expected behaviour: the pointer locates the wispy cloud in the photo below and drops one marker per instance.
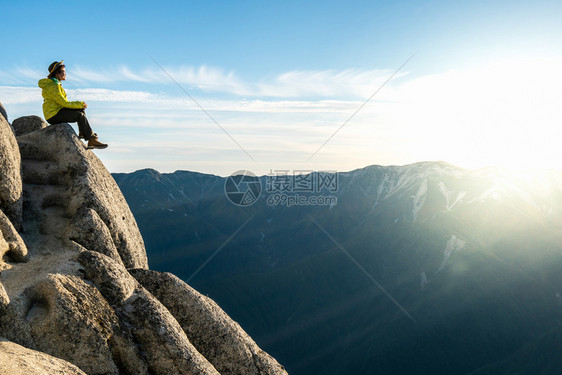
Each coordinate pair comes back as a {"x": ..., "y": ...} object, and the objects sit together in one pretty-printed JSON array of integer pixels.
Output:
[
  {"x": 348, "y": 83},
  {"x": 491, "y": 115},
  {"x": 18, "y": 94},
  {"x": 121, "y": 74},
  {"x": 336, "y": 84},
  {"x": 105, "y": 95},
  {"x": 21, "y": 76}
]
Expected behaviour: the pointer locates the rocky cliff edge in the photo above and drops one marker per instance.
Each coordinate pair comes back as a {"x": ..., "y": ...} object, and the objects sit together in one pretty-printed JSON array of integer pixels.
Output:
[{"x": 76, "y": 294}]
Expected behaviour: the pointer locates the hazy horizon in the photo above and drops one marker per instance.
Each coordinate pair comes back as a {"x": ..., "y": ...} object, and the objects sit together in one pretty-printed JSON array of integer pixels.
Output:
[
  {"x": 323, "y": 85},
  {"x": 517, "y": 171}
]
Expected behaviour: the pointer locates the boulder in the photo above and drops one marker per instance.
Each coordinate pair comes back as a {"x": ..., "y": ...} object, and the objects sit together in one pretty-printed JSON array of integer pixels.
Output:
[
  {"x": 88, "y": 229},
  {"x": 28, "y": 124},
  {"x": 3, "y": 113},
  {"x": 18, "y": 360},
  {"x": 15, "y": 247},
  {"x": 213, "y": 333},
  {"x": 4, "y": 248},
  {"x": 109, "y": 276},
  {"x": 69, "y": 319},
  {"x": 66, "y": 317},
  {"x": 164, "y": 343},
  {"x": 10, "y": 178},
  {"x": 158, "y": 335},
  {"x": 4, "y": 299},
  {"x": 88, "y": 184}
]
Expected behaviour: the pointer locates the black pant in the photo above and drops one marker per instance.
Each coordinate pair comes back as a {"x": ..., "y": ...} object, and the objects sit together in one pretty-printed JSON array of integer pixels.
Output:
[{"x": 73, "y": 115}]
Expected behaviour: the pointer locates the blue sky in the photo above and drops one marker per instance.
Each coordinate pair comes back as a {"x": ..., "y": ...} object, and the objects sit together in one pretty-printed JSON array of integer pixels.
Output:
[{"x": 281, "y": 77}]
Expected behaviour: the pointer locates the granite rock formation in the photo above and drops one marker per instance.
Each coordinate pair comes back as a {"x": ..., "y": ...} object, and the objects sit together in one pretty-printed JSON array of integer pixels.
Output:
[
  {"x": 28, "y": 124},
  {"x": 10, "y": 181},
  {"x": 18, "y": 360},
  {"x": 76, "y": 295},
  {"x": 3, "y": 112}
]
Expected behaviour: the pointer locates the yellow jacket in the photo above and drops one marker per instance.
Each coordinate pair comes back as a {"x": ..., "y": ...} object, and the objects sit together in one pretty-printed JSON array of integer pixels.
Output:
[{"x": 54, "y": 97}]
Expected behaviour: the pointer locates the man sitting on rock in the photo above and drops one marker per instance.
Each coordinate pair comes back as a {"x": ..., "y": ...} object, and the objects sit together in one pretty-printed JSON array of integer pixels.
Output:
[{"x": 58, "y": 109}]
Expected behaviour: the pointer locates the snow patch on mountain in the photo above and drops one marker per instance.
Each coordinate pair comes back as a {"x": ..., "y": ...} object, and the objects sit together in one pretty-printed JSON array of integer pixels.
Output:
[
  {"x": 419, "y": 199},
  {"x": 490, "y": 193},
  {"x": 451, "y": 198},
  {"x": 423, "y": 280},
  {"x": 453, "y": 244},
  {"x": 394, "y": 181}
]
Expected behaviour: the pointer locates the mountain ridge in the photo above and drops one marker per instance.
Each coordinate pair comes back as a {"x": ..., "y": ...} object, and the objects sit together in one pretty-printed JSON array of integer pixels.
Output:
[{"x": 452, "y": 246}]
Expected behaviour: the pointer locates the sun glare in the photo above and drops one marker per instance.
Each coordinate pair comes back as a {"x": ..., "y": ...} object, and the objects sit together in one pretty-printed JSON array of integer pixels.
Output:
[{"x": 505, "y": 114}]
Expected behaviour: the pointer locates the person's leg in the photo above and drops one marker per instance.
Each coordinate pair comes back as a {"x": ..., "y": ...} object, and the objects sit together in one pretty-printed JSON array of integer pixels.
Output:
[
  {"x": 73, "y": 115},
  {"x": 78, "y": 115},
  {"x": 84, "y": 125},
  {"x": 63, "y": 115}
]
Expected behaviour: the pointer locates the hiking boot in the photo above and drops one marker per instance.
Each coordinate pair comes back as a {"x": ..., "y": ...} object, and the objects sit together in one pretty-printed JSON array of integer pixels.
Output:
[
  {"x": 94, "y": 143},
  {"x": 80, "y": 136}
]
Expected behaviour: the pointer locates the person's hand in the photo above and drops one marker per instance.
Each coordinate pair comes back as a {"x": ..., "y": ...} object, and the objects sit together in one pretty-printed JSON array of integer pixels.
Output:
[{"x": 85, "y": 105}]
